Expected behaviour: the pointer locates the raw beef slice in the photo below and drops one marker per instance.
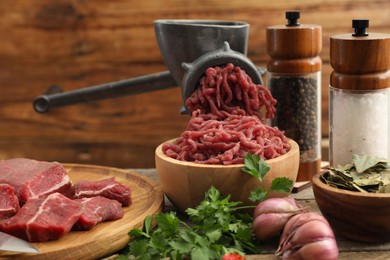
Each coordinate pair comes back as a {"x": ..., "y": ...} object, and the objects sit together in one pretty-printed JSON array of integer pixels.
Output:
[
  {"x": 9, "y": 203},
  {"x": 96, "y": 210},
  {"x": 43, "y": 219},
  {"x": 108, "y": 188},
  {"x": 34, "y": 179}
]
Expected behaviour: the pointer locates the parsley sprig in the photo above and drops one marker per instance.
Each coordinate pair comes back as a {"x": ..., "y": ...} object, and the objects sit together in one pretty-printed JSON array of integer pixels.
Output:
[
  {"x": 218, "y": 226},
  {"x": 216, "y": 229},
  {"x": 258, "y": 168}
]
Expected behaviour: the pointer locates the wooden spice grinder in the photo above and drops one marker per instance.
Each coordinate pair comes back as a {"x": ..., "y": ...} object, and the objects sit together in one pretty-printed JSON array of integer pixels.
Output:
[
  {"x": 294, "y": 79},
  {"x": 359, "y": 94}
]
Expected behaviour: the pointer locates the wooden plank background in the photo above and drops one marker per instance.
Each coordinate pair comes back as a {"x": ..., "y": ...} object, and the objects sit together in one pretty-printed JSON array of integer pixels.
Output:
[{"x": 80, "y": 43}]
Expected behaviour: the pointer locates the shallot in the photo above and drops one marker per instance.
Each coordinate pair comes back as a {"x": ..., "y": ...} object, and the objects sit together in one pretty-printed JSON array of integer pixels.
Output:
[
  {"x": 307, "y": 236},
  {"x": 271, "y": 215}
]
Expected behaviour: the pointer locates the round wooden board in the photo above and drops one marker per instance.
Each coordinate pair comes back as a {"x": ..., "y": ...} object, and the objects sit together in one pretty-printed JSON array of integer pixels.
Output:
[{"x": 107, "y": 237}]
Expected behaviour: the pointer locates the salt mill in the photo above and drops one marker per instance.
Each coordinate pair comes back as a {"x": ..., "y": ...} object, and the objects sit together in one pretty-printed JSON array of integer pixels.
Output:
[
  {"x": 359, "y": 92},
  {"x": 294, "y": 79}
]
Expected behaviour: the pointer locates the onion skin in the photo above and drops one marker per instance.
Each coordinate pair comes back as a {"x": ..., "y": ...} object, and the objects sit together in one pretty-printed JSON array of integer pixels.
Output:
[
  {"x": 269, "y": 225},
  {"x": 271, "y": 215},
  {"x": 307, "y": 236},
  {"x": 278, "y": 205}
]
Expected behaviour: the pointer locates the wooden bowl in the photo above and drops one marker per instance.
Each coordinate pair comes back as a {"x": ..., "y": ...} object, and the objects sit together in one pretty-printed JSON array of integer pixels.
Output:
[
  {"x": 363, "y": 217},
  {"x": 185, "y": 183}
]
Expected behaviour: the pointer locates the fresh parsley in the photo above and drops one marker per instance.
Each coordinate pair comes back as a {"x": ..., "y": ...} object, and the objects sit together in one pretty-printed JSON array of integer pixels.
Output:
[
  {"x": 258, "y": 168},
  {"x": 218, "y": 226}
]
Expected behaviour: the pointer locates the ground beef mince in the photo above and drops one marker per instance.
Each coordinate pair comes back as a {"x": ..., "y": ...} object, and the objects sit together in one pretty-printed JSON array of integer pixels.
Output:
[
  {"x": 229, "y": 90},
  {"x": 211, "y": 141},
  {"x": 228, "y": 120}
]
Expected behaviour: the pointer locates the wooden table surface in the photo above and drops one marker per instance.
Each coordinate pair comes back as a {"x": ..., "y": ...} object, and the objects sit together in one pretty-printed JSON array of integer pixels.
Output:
[{"x": 348, "y": 249}]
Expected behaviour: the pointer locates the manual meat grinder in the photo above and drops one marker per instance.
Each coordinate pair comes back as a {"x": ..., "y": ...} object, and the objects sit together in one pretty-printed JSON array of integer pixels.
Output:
[{"x": 188, "y": 48}]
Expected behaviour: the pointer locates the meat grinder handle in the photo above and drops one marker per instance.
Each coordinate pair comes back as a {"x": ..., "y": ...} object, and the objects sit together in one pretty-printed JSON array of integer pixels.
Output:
[{"x": 142, "y": 84}]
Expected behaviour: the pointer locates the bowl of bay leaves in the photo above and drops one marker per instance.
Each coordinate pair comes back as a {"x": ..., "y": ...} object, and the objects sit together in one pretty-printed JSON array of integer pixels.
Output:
[
  {"x": 355, "y": 198},
  {"x": 186, "y": 183}
]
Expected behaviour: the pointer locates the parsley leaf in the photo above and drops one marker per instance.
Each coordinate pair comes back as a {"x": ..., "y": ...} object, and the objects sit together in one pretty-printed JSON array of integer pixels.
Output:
[
  {"x": 258, "y": 195},
  {"x": 217, "y": 224},
  {"x": 255, "y": 166},
  {"x": 281, "y": 185},
  {"x": 216, "y": 228},
  {"x": 168, "y": 223},
  {"x": 258, "y": 168}
]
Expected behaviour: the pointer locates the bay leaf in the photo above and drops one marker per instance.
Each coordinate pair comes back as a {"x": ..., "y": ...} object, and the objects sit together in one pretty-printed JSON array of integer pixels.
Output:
[
  {"x": 364, "y": 174},
  {"x": 385, "y": 178},
  {"x": 364, "y": 162},
  {"x": 359, "y": 188},
  {"x": 367, "y": 182},
  {"x": 384, "y": 188}
]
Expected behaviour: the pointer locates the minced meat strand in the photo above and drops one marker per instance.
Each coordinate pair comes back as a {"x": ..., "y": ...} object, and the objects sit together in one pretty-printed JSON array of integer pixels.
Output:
[
  {"x": 208, "y": 140},
  {"x": 227, "y": 121},
  {"x": 229, "y": 90}
]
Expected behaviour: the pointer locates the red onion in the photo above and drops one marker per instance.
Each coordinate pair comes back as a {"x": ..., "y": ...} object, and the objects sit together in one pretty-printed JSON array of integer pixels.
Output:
[
  {"x": 307, "y": 236},
  {"x": 271, "y": 215}
]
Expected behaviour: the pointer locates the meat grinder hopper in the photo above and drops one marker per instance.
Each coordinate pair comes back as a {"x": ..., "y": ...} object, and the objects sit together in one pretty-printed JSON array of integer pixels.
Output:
[{"x": 188, "y": 48}]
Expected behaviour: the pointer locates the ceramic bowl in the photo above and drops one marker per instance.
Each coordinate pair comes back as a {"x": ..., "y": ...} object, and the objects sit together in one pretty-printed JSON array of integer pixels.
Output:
[
  {"x": 363, "y": 217},
  {"x": 185, "y": 183}
]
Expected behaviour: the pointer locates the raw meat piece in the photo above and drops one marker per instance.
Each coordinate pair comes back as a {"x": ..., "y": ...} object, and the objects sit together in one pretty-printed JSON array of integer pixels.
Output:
[
  {"x": 96, "y": 210},
  {"x": 43, "y": 219},
  {"x": 9, "y": 203},
  {"x": 108, "y": 188},
  {"x": 34, "y": 179}
]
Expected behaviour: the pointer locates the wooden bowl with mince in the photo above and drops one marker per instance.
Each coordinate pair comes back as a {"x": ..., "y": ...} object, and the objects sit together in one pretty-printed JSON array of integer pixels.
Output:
[{"x": 185, "y": 183}]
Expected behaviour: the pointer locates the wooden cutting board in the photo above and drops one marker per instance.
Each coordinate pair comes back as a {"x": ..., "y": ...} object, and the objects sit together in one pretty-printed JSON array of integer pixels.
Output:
[{"x": 106, "y": 237}]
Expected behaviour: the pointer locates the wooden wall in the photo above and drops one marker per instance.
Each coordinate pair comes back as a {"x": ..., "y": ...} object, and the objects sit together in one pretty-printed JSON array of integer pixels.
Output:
[{"x": 79, "y": 43}]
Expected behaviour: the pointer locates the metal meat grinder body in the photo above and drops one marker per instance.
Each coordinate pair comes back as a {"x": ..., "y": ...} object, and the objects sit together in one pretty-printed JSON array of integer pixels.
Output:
[{"x": 188, "y": 48}]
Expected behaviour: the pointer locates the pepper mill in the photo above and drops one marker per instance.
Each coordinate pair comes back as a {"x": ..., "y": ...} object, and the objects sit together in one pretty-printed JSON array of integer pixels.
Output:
[
  {"x": 359, "y": 92},
  {"x": 294, "y": 80}
]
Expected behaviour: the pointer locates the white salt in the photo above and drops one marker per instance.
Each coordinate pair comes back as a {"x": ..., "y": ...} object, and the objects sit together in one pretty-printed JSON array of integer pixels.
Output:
[{"x": 359, "y": 124}]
